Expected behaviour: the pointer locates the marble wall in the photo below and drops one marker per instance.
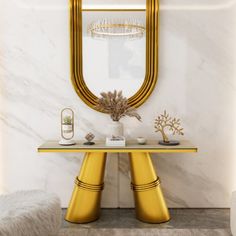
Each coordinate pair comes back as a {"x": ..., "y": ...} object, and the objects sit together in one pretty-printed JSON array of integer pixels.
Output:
[{"x": 197, "y": 82}]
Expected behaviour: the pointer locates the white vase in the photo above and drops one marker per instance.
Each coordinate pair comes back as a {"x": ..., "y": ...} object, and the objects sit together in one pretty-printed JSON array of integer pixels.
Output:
[{"x": 115, "y": 128}]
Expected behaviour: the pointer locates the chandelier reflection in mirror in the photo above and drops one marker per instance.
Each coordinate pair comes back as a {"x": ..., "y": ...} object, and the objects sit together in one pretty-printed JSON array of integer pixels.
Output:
[{"x": 117, "y": 28}]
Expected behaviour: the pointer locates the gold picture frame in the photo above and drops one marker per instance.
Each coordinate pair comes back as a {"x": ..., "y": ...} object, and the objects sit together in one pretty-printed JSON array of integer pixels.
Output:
[{"x": 152, "y": 22}]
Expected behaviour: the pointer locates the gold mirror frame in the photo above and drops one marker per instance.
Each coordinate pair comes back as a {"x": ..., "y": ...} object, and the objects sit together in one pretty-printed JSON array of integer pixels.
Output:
[{"x": 76, "y": 38}]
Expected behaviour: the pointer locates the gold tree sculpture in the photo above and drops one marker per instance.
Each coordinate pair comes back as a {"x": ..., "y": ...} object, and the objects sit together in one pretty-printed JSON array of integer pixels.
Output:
[
  {"x": 116, "y": 105},
  {"x": 165, "y": 121}
]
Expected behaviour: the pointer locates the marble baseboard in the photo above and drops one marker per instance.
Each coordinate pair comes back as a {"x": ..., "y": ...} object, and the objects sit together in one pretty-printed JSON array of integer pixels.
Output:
[
  {"x": 184, "y": 222},
  {"x": 141, "y": 232}
]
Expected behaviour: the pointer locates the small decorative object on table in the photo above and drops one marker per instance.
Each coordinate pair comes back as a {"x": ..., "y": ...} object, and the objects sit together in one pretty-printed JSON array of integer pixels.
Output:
[
  {"x": 117, "y": 106},
  {"x": 163, "y": 121},
  {"x": 67, "y": 127},
  {"x": 141, "y": 140},
  {"x": 89, "y": 137},
  {"x": 116, "y": 141}
]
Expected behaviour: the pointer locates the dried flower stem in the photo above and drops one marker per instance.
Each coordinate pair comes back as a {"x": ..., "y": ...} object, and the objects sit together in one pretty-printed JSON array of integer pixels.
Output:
[{"x": 116, "y": 105}]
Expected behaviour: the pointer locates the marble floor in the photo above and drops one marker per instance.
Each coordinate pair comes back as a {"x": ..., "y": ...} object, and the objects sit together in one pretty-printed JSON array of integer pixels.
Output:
[{"x": 184, "y": 222}]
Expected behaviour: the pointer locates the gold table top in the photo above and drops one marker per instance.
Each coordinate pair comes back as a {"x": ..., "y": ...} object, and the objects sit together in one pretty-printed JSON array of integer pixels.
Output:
[{"x": 151, "y": 146}]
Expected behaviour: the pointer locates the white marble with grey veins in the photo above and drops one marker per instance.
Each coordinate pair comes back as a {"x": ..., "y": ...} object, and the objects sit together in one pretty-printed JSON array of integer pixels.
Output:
[{"x": 196, "y": 83}]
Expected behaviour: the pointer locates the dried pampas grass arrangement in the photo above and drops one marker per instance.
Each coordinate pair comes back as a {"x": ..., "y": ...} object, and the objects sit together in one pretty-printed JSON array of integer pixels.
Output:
[{"x": 116, "y": 105}]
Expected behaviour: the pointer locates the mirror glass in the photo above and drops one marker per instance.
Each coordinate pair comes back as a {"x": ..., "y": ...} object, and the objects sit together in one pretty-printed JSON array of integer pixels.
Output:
[
  {"x": 134, "y": 4},
  {"x": 113, "y": 63}
]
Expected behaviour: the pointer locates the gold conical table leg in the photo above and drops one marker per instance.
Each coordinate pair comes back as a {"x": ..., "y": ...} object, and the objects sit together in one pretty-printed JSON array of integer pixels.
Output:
[
  {"x": 150, "y": 205},
  {"x": 86, "y": 198}
]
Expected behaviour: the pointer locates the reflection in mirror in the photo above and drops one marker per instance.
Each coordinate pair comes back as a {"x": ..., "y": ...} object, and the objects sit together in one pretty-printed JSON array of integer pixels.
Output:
[
  {"x": 114, "y": 4},
  {"x": 113, "y": 63}
]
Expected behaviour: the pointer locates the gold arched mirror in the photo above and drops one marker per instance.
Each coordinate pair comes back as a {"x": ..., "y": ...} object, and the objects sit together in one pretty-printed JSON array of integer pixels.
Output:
[{"x": 104, "y": 59}]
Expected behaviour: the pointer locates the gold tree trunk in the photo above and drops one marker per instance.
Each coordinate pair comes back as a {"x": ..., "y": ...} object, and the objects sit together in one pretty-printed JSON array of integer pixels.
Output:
[{"x": 164, "y": 136}]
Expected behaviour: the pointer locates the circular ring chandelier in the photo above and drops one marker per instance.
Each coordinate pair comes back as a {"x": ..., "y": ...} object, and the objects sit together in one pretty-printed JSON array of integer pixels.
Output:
[{"x": 117, "y": 28}]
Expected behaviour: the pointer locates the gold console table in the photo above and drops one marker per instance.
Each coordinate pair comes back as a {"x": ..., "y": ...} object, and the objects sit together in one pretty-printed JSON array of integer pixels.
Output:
[{"x": 150, "y": 204}]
